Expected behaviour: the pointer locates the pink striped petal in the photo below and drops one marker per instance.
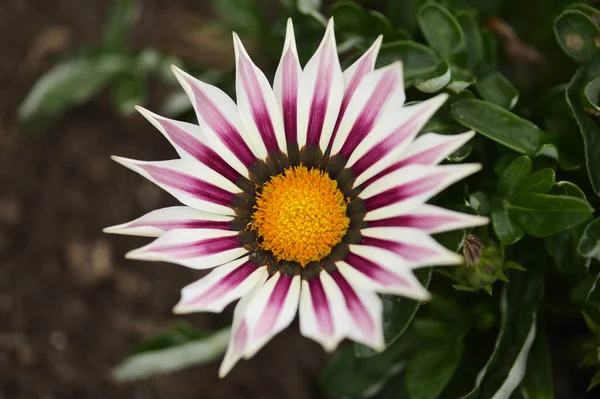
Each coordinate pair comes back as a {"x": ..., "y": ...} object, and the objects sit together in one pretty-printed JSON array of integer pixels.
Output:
[
  {"x": 192, "y": 142},
  {"x": 430, "y": 219},
  {"x": 212, "y": 193},
  {"x": 272, "y": 309},
  {"x": 410, "y": 186},
  {"x": 392, "y": 136},
  {"x": 257, "y": 104},
  {"x": 353, "y": 75},
  {"x": 379, "y": 90},
  {"x": 197, "y": 248},
  {"x": 220, "y": 287},
  {"x": 382, "y": 271},
  {"x": 320, "y": 94},
  {"x": 239, "y": 330},
  {"x": 286, "y": 86},
  {"x": 428, "y": 149},
  {"x": 414, "y": 246},
  {"x": 157, "y": 222},
  {"x": 218, "y": 115},
  {"x": 323, "y": 316}
]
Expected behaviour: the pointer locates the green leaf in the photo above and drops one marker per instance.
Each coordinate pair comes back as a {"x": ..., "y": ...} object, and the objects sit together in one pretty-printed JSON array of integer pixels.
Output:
[
  {"x": 349, "y": 16},
  {"x": 500, "y": 125},
  {"x": 308, "y": 6},
  {"x": 436, "y": 80},
  {"x": 378, "y": 24},
  {"x": 589, "y": 130},
  {"x": 506, "y": 367},
  {"x": 538, "y": 382},
  {"x": 595, "y": 380},
  {"x": 431, "y": 368},
  {"x": 577, "y": 34},
  {"x": 441, "y": 30},
  {"x": 589, "y": 245},
  {"x": 496, "y": 89},
  {"x": 562, "y": 248},
  {"x": 591, "y": 97},
  {"x": 417, "y": 60},
  {"x": 461, "y": 79},
  {"x": 538, "y": 182},
  {"x": 173, "y": 350},
  {"x": 567, "y": 188},
  {"x": 67, "y": 84},
  {"x": 505, "y": 228},
  {"x": 473, "y": 39},
  {"x": 515, "y": 174},
  {"x": 398, "y": 314},
  {"x": 543, "y": 215},
  {"x": 123, "y": 15},
  {"x": 128, "y": 92}
]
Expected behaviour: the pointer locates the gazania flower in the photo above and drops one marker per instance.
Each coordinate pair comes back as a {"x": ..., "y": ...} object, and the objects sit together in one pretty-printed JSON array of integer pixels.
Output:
[{"x": 308, "y": 195}]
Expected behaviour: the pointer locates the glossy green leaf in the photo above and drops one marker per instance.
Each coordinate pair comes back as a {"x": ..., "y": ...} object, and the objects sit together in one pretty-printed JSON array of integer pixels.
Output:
[
  {"x": 496, "y": 89},
  {"x": 538, "y": 182},
  {"x": 500, "y": 125},
  {"x": 379, "y": 25},
  {"x": 577, "y": 34},
  {"x": 590, "y": 11},
  {"x": 436, "y": 80},
  {"x": 543, "y": 215},
  {"x": 441, "y": 30},
  {"x": 431, "y": 368},
  {"x": 68, "y": 84},
  {"x": 567, "y": 188},
  {"x": 515, "y": 174},
  {"x": 473, "y": 39},
  {"x": 562, "y": 248},
  {"x": 589, "y": 245},
  {"x": 538, "y": 382},
  {"x": 591, "y": 97},
  {"x": 417, "y": 60},
  {"x": 398, "y": 313},
  {"x": 506, "y": 367},
  {"x": 505, "y": 228},
  {"x": 589, "y": 130},
  {"x": 460, "y": 79},
  {"x": 173, "y": 350}
]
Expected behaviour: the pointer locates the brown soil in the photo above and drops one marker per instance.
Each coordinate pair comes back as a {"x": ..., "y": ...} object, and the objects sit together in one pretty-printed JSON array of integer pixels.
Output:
[{"x": 71, "y": 307}]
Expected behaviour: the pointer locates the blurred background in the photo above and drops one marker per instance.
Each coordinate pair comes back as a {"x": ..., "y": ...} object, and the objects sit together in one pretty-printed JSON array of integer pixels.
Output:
[{"x": 71, "y": 307}]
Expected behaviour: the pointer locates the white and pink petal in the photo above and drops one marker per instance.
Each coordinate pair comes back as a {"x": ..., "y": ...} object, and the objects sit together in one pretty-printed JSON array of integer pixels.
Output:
[
  {"x": 157, "y": 222},
  {"x": 194, "y": 248}
]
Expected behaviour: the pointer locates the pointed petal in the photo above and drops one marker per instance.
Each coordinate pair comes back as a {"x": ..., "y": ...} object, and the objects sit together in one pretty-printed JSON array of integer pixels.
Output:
[
  {"x": 286, "y": 86},
  {"x": 376, "y": 269},
  {"x": 430, "y": 219},
  {"x": 414, "y": 246},
  {"x": 365, "y": 313},
  {"x": 409, "y": 187},
  {"x": 427, "y": 149},
  {"x": 353, "y": 76},
  {"x": 157, "y": 222},
  {"x": 379, "y": 92},
  {"x": 192, "y": 142},
  {"x": 392, "y": 135},
  {"x": 272, "y": 309},
  {"x": 320, "y": 94},
  {"x": 194, "y": 248},
  {"x": 220, "y": 287},
  {"x": 218, "y": 116},
  {"x": 322, "y": 311},
  {"x": 239, "y": 331},
  {"x": 257, "y": 104},
  {"x": 212, "y": 193}
]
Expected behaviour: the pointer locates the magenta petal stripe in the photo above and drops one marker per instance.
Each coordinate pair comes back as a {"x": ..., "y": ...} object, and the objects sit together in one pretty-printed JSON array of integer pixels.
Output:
[
  {"x": 218, "y": 114},
  {"x": 374, "y": 271},
  {"x": 285, "y": 86},
  {"x": 157, "y": 222},
  {"x": 257, "y": 104},
  {"x": 353, "y": 76},
  {"x": 273, "y": 308},
  {"x": 320, "y": 94},
  {"x": 220, "y": 287},
  {"x": 431, "y": 219}
]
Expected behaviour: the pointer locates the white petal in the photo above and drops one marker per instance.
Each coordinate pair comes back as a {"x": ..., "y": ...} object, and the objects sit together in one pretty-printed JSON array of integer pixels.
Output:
[
  {"x": 320, "y": 94},
  {"x": 212, "y": 192},
  {"x": 257, "y": 104},
  {"x": 194, "y": 248},
  {"x": 157, "y": 222}
]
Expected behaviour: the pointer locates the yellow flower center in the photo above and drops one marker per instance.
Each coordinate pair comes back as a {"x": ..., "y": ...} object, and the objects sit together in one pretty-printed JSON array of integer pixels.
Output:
[{"x": 300, "y": 215}]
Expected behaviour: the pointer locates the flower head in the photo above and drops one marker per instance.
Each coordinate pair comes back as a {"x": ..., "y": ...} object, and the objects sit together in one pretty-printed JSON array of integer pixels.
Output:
[{"x": 308, "y": 195}]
